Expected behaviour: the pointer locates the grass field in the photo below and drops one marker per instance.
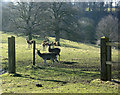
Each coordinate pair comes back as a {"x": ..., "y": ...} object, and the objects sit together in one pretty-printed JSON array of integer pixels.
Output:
[{"x": 77, "y": 72}]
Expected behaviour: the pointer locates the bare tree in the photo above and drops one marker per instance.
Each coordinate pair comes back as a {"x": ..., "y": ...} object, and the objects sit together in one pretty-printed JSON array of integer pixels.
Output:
[
  {"x": 61, "y": 14},
  {"x": 27, "y": 17},
  {"x": 108, "y": 26}
]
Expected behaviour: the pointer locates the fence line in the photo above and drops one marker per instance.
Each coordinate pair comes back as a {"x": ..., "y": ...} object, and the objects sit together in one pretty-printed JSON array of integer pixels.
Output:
[
  {"x": 113, "y": 44},
  {"x": 106, "y": 61},
  {"x": 12, "y": 57}
]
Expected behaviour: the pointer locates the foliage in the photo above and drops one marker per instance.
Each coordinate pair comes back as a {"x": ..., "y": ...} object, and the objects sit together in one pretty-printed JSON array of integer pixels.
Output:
[
  {"x": 26, "y": 17},
  {"x": 59, "y": 19}
]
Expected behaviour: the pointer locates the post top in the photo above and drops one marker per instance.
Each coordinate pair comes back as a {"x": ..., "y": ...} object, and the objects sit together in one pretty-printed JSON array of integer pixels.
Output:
[
  {"x": 12, "y": 37},
  {"x": 104, "y": 37}
]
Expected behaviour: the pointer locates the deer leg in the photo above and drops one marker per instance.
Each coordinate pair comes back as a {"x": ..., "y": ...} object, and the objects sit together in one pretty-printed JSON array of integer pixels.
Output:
[
  {"x": 52, "y": 60},
  {"x": 59, "y": 57},
  {"x": 56, "y": 59},
  {"x": 45, "y": 61},
  {"x": 43, "y": 47},
  {"x": 28, "y": 45}
]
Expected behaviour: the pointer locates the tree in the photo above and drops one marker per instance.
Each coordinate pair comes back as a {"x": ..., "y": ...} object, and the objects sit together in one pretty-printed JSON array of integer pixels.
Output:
[
  {"x": 5, "y": 16},
  {"x": 62, "y": 17},
  {"x": 74, "y": 21},
  {"x": 27, "y": 17},
  {"x": 41, "y": 18},
  {"x": 0, "y": 16},
  {"x": 108, "y": 26}
]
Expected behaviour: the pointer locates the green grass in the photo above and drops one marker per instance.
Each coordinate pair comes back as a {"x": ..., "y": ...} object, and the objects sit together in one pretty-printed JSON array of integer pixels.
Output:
[{"x": 78, "y": 71}]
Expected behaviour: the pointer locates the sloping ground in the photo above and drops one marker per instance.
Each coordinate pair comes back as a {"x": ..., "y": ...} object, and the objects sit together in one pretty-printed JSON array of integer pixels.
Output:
[{"x": 77, "y": 72}]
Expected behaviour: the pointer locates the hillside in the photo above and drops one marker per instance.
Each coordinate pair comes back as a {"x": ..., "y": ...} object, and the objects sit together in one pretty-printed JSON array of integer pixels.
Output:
[{"x": 77, "y": 72}]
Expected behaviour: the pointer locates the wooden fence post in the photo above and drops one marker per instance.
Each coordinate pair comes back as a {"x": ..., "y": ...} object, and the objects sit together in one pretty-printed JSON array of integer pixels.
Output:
[
  {"x": 34, "y": 52},
  {"x": 109, "y": 70},
  {"x": 11, "y": 55},
  {"x": 105, "y": 56}
]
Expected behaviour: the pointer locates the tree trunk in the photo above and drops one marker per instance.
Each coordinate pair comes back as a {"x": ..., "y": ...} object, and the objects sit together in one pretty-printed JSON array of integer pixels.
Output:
[
  {"x": 30, "y": 36},
  {"x": 57, "y": 32},
  {"x": 57, "y": 37}
]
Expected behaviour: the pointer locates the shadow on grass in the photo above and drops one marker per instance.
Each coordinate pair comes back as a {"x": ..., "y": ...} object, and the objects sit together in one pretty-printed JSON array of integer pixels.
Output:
[
  {"x": 68, "y": 62},
  {"x": 59, "y": 81},
  {"x": 93, "y": 45},
  {"x": 16, "y": 75},
  {"x": 3, "y": 42},
  {"x": 80, "y": 72},
  {"x": 63, "y": 82},
  {"x": 84, "y": 77},
  {"x": 118, "y": 82},
  {"x": 4, "y": 67},
  {"x": 58, "y": 72},
  {"x": 70, "y": 46},
  {"x": 37, "y": 67}
]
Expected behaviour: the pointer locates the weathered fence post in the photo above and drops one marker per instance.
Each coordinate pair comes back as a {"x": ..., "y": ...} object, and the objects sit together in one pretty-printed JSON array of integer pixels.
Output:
[
  {"x": 34, "y": 52},
  {"x": 109, "y": 70},
  {"x": 11, "y": 55},
  {"x": 105, "y": 56}
]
